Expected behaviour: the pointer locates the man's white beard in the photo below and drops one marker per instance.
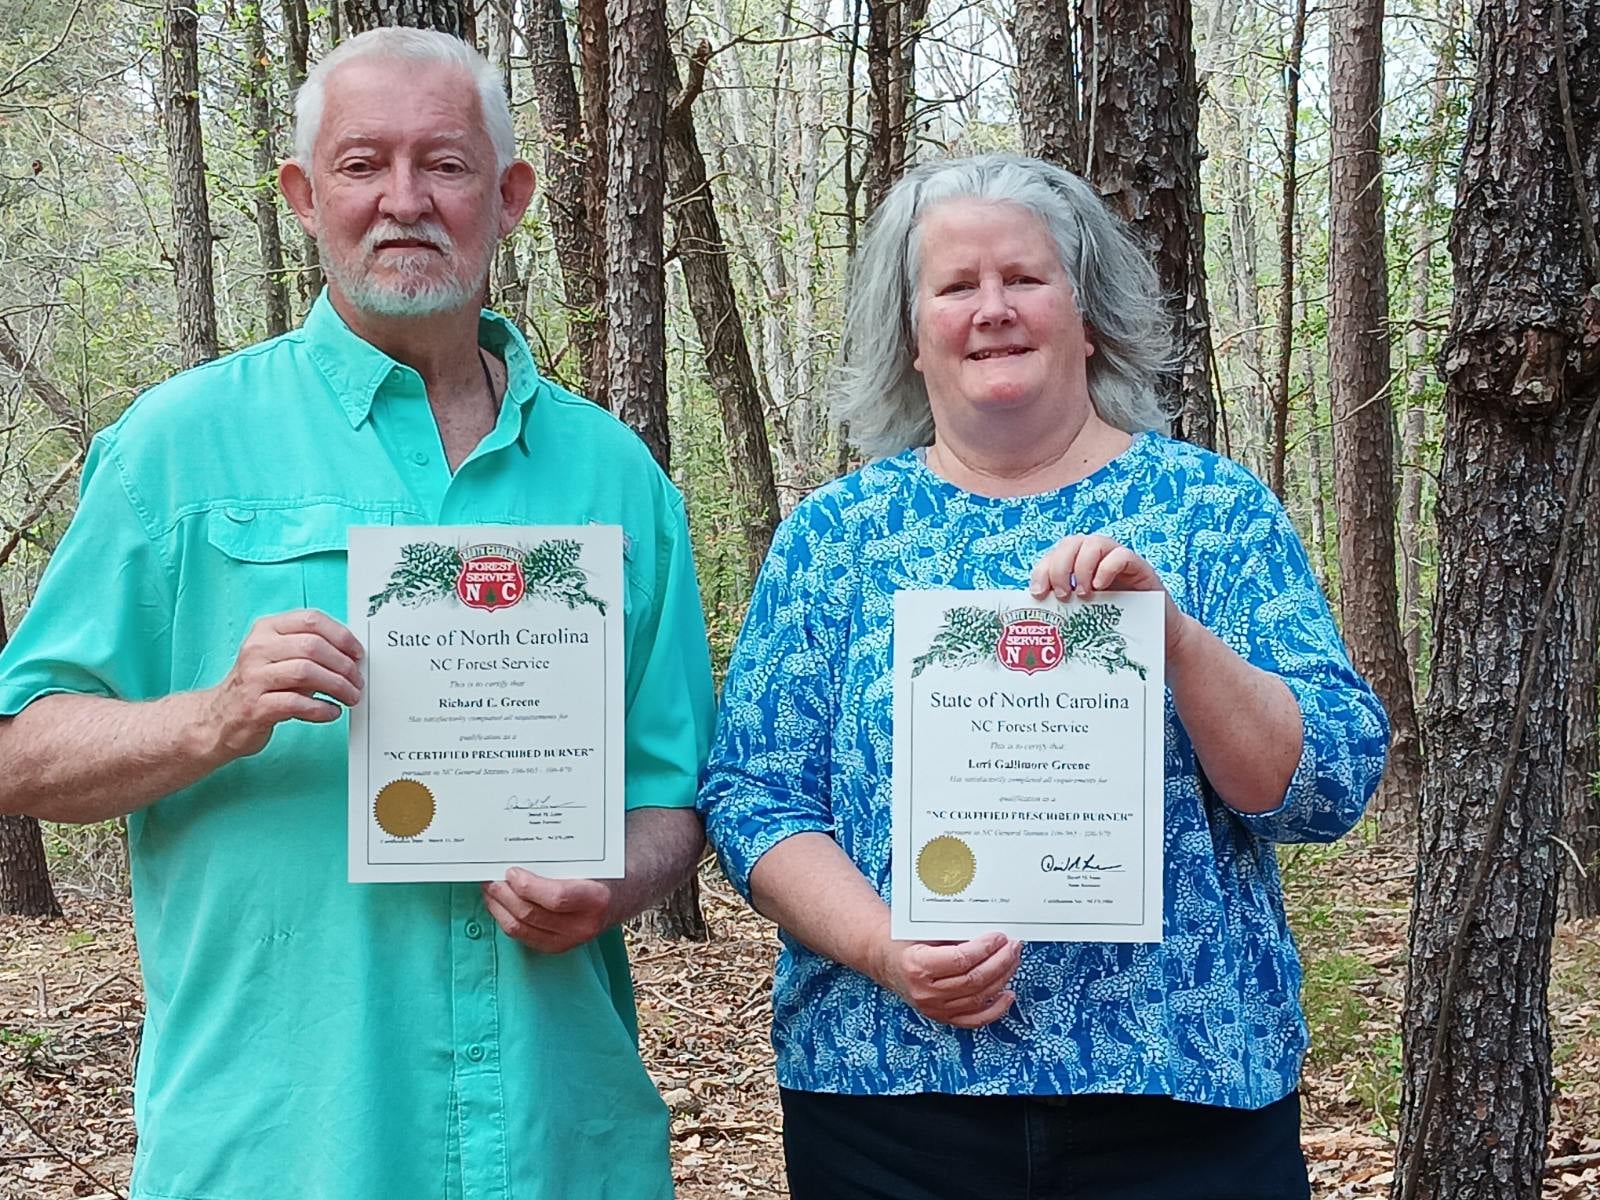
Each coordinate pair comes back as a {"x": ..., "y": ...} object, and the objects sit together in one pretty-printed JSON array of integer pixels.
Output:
[{"x": 417, "y": 292}]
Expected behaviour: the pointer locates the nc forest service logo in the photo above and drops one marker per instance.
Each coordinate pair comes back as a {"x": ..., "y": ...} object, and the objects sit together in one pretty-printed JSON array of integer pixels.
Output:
[
  {"x": 487, "y": 577},
  {"x": 1030, "y": 640},
  {"x": 490, "y": 578},
  {"x": 1028, "y": 644}
]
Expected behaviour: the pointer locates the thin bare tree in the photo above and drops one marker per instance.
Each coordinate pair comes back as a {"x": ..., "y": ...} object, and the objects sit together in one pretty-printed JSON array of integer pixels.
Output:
[{"x": 191, "y": 213}]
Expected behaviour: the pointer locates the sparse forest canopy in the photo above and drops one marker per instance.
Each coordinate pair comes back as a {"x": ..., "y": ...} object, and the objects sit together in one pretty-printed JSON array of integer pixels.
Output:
[{"x": 1375, "y": 226}]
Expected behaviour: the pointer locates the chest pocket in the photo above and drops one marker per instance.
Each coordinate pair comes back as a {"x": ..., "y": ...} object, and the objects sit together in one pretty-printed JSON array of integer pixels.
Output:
[{"x": 277, "y": 559}]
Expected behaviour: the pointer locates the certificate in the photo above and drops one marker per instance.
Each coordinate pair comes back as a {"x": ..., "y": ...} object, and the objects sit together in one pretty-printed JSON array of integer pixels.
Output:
[
  {"x": 490, "y": 731},
  {"x": 1028, "y": 748}
]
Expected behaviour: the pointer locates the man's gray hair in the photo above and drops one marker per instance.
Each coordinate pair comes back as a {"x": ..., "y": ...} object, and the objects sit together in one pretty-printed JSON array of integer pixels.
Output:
[
  {"x": 420, "y": 47},
  {"x": 882, "y": 395}
]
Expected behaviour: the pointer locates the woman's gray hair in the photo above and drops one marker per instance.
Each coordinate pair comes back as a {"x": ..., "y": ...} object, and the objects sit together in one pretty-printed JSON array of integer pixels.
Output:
[
  {"x": 420, "y": 47},
  {"x": 881, "y": 395}
]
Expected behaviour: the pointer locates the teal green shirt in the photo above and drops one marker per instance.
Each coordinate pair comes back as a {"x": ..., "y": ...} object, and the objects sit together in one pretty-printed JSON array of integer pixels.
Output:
[{"x": 307, "y": 1037}]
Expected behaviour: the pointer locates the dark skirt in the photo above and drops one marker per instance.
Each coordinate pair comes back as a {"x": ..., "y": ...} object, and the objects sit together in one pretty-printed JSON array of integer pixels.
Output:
[{"x": 937, "y": 1147}]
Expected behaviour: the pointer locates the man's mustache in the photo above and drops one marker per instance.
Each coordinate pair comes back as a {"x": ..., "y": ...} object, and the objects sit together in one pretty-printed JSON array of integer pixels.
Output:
[{"x": 427, "y": 232}]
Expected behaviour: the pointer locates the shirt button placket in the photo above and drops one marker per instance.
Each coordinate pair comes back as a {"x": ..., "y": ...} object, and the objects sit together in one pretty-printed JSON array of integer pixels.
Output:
[{"x": 476, "y": 1038}]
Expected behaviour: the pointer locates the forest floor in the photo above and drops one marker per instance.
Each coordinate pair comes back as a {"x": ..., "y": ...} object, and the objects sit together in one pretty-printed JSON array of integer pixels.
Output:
[{"x": 70, "y": 1009}]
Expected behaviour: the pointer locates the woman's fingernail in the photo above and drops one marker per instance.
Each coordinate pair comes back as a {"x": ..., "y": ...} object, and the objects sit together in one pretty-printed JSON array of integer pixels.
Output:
[{"x": 1072, "y": 581}]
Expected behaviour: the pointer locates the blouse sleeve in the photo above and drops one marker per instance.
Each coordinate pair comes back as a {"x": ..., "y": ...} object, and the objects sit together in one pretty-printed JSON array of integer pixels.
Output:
[
  {"x": 1265, "y": 603},
  {"x": 767, "y": 778}
]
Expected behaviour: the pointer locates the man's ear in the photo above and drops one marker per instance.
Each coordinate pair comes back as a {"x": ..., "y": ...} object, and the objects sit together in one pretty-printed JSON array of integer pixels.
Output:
[
  {"x": 295, "y": 185},
  {"x": 516, "y": 192}
]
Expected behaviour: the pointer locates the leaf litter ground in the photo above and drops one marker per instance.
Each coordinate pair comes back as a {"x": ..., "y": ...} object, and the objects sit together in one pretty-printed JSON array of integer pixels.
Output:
[{"x": 71, "y": 1006}]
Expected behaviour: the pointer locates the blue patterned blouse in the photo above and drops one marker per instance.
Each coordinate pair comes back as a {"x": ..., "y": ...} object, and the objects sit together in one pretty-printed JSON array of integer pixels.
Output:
[{"x": 1211, "y": 1013}]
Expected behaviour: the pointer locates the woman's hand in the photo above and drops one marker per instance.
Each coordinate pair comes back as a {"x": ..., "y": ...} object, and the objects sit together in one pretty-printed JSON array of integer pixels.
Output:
[
  {"x": 1084, "y": 564},
  {"x": 959, "y": 983}
]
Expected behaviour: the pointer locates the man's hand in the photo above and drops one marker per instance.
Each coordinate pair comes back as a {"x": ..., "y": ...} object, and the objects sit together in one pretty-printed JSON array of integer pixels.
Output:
[
  {"x": 286, "y": 664},
  {"x": 961, "y": 983},
  {"x": 550, "y": 915}
]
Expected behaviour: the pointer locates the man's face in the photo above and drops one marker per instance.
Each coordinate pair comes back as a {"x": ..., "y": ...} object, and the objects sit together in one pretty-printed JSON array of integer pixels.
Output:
[{"x": 406, "y": 203}]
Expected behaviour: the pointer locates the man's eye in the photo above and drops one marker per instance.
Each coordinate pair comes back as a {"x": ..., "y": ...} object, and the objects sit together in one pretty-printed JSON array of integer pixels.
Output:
[
  {"x": 356, "y": 166},
  {"x": 450, "y": 167}
]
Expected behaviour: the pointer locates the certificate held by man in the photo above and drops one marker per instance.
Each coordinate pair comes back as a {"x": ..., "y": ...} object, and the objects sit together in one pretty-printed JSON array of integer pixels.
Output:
[
  {"x": 1028, "y": 751},
  {"x": 490, "y": 732}
]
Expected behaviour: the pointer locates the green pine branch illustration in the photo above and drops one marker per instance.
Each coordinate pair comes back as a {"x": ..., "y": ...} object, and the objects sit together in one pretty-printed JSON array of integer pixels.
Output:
[
  {"x": 968, "y": 636},
  {"x": 428, "y": 571},
  {"x": 1089, "y": 634},
  {"x": 550, "y": 571}
]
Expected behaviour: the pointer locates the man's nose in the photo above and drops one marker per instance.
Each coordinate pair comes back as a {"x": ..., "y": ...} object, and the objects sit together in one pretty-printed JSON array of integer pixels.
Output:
[{"x": 407, "y": 198}]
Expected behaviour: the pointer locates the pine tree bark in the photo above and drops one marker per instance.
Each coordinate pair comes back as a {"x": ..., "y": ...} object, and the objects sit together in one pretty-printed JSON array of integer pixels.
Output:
[
  {"x": 1522, "y": 378},
  {"x": 566, "y": 170},
  {"x": 1358, "y": 391},
  {"x": 448, "y": 16},
  {"x": 635, "y": 193},
  {"x": 1286, "y": 255},
  {"x": 274, "y": 293},
  {"x": 704, "y": 258},
  {"x": 1047, "y": 82},
  {"x": 892, "y": 30},
  {"x": 25, "y": 889},
  {"x": 191, "y": 215},
  {"x": 297, "y": 36},
  {"x": 1145, "y": 162},
  {"x": 594, "y": 74}
]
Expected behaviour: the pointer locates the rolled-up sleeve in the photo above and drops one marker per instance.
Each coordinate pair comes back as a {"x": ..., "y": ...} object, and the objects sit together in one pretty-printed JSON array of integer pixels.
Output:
[
  {"x": 767, "y": 777},
  {"x": 1269, "y": 608},
  {"x": 101, "y": 621},
  {"x": 669, "y": 699}
]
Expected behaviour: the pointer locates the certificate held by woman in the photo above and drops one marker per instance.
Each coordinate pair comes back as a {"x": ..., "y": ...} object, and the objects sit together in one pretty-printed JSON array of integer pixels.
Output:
[{"x": 1027, "y": 766}]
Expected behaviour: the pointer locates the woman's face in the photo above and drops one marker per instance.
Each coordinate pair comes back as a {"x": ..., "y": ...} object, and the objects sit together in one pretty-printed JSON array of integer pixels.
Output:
[{"x": 998, "y": 328}]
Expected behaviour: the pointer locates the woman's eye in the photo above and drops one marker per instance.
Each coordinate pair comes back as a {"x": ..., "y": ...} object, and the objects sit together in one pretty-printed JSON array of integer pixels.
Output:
[{"x": 954, "y": 288}]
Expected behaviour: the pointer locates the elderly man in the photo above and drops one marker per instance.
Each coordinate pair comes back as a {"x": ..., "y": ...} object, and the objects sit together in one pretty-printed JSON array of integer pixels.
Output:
[{"x": 182, "y": 664}]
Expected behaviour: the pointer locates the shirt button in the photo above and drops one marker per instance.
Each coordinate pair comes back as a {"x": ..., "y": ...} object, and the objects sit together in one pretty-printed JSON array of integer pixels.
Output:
[
  {"x": 475, "y": 1053},
  {"x": 241, "y": 515},
  {"x": 420, "y": 457},
  {"x": 474, "y": 930}
]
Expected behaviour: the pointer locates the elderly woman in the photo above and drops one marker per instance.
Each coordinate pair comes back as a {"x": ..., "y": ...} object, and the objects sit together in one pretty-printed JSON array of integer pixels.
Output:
[{"x": 1003, "y": 343}]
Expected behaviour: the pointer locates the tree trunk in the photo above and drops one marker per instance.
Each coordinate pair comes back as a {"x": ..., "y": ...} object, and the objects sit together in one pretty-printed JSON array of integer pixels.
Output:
[
  {"x": 265, "y": 156},
  {"x": 1358, "y": 390},
  {"x": 1286, "y": 228},
  {"x": 297, "y": 36},
  {"x": 1145, "y": 161},
  {"x": 1047, "y": 82},
  {"x": 635, "y": 190},
  {"x": 709, "y": 283},
  {"x": 594, "y": 71},
  {"x": 566, "y": 166},
  {"x": 191, "y": 216},
  {"x": 1521, "y": 382},
  {"x": 892, "y": 29},
  {"x": 25, "y": 889},
  {"x": 1580, "y": 787},
  {"x": 448, "y": 16}
]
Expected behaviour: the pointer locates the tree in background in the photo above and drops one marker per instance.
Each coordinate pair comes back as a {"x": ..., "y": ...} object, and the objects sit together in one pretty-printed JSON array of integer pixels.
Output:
[
  {"x": 1358, "y": 390},
  {"x": 191, "y": 214},
  {"x": 1144, "y": 158},
  {"x": 25, "y": 889},
  {"x": 1507, "y": 726}
]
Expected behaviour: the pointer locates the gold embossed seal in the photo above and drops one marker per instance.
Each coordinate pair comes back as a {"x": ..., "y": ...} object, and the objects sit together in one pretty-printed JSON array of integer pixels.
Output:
[
  {"x": 403, "y": 808},
  {"x": 946, "y": 865}
]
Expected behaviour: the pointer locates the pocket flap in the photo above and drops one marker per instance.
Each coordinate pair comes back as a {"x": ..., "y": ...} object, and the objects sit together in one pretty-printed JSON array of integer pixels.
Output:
[{"x": 262, "y": 535}]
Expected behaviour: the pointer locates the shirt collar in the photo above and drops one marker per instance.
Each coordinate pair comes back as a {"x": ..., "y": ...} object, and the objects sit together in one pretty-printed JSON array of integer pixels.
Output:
[{"x": 356, "y": 369}]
